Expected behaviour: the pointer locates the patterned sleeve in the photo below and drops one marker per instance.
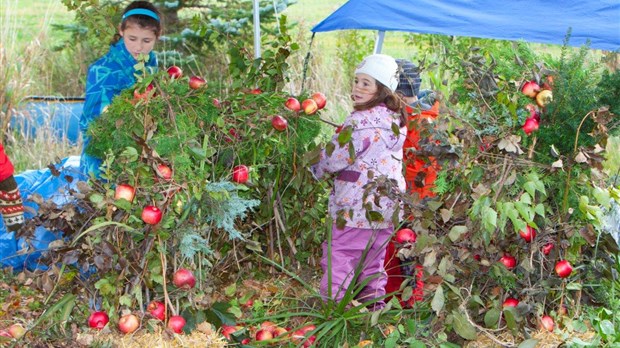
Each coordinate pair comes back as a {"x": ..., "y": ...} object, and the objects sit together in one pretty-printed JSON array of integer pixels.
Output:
[
  {"x": 98, "y": 86},
  {"x": 340, "y": 158}
]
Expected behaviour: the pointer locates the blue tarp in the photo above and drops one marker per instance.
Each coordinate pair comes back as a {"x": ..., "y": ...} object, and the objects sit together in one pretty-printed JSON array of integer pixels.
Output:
[
  {"x": 24, "y": 253},
  {"x": 60, "y": 115},
  {"x": 540, "y": 21}
]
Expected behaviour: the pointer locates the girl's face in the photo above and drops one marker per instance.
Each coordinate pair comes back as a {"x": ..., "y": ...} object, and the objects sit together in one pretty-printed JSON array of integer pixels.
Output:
[
  {"x": 138, "y": 40},
  {"x": 364, "y": 88}
]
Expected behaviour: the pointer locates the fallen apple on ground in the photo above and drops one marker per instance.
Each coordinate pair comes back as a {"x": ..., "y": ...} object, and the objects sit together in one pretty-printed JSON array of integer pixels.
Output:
[
  {"x": 128, "y": 323},
  {"x": 547, "y": 323},
  {"x": 16, "y": 330},
  {"x": 98, "y": 320},
  {"x": 510, "y": 302},
  {"x": 530, "y": 89},
  {"x": 164, "y": 171},
  {"x": 544, "y": 97},
  {"x": 530, "y": 125},
  {"x": 176, "y": 323}
]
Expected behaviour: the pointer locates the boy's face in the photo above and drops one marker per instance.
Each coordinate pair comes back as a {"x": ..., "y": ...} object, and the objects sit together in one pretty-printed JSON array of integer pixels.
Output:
[
  {"x": 138, "y": 40},
  {"x": 364, "y": 88}
]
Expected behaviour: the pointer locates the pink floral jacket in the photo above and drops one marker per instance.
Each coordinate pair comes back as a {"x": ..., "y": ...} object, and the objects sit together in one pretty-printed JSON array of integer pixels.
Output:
[{"x": 378, "y": 150}]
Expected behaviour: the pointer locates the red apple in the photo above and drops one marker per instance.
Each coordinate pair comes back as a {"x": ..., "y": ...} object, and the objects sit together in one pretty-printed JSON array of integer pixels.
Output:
[
  {"x": 309, "y": 106},
  {"x": 339, "y": 128},
  {"x": 157, "y": 310},
  {"x": 256, "y": 91},
  {"x": 16, "y": 330},
  {"x": 175, "y": 72},
  {"x": 263, "y": 335},
  {"x": 279, "y": 331},
  {"x": 509, "y": 261},
  {"x": 528, "y": 234},
  {"x": 143, "y": 95},
  {"x": 176, "y": 323},
  {"x": 240, "y": 174},
  {"x": 196, "y": 82},
  {"x": 216, "y": 103},
  {"x": 530, "y": 89},
  {"x": 128, "y": 323},
  {"x": 151, "y": 215},
  {"x": 292, "y": 104},
  {"x": 279, "y": 123},
  {"x": 164, "y": 171},
  {"x": 184, "y": 278},
  {"x": 98, "y": 320},
  {"x": 227, "y": 330},
  {"x": 547, "y": 322},
  {"x": 510, "y": 302},
  {"x": 245, "y": 341},
  {"x": 546, "y": 249},
  {"x": 320, "y": 99},
  {"x": 125, "y": 191},
  {"x": 299, "y": 336},
  {"x": 530, "y": 125},
  {"x": 269, "y": 326},
  {"x": 477, "y": 257},
  {"x": 563, "y": 268},
  {"x": 405, "y": 235},
  {"x": 249, "y": 303},
  {"x": 544, "y": 97}
]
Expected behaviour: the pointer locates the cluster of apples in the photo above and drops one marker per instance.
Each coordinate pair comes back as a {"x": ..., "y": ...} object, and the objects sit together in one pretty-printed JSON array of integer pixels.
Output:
[
  {"x": 129, "y": 323},
  {"x": 269, "y": 331},
  {"x": 151, "y": 214},
  {"x": 309, "y": 106},
  {"x": 546, "y": 322},
  {"x": 543, "y": 96},
  {"x": 175, "y": 73},
  {"x": 14, "y": 331}
]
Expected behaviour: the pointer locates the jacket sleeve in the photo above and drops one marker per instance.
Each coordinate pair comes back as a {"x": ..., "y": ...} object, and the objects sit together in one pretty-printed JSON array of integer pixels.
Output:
[
  {"x": 6, "y": 167},
  {"x": 341, "y": 157},
  {"x": 99, "y": 86}
]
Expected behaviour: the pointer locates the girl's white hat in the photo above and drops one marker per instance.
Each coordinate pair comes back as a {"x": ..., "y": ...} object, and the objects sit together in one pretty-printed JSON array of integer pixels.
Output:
[{"x": 382, "y": 68}]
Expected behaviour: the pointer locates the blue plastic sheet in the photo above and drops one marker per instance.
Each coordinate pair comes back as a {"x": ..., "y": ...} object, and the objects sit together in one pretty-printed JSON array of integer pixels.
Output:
[
  {"x": 539, "y": 21},
  {"x": 60, "y": 115},
  {"x": 24, "y": 253}
]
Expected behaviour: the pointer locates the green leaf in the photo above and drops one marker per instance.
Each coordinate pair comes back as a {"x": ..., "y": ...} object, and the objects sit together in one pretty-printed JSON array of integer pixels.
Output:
[
  {"x": 509, "y": 315},
  {"x": 230, "y": 290},
  {"x": 607, "y": 328},
  {"x": 540, "y": 209},
  {"x": 463, "y": 327},
  {"x": 491, "y": 317},
  {"x": 575, "y": 286},
  {"x": 456, "y": 232},
  {"x": 489, "y": 219},
  {"x": 96, "y": 198},
  {"x": 602, "y": 196},
  {"x": 345, "y": 135},
  {"x": 531, "y": 343},
  {"x": 530, "y": 188},
  {"x": 438, "y": 300},
  {"x": 125, "y": 300}
]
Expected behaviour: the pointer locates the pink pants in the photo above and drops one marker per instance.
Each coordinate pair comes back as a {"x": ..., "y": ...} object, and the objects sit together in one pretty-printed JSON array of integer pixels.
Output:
[{"x": 348, "y": 246}]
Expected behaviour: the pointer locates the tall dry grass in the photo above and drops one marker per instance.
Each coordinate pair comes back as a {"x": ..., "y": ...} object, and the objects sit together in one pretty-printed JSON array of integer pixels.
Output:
[{"x": 23, "y": 72}]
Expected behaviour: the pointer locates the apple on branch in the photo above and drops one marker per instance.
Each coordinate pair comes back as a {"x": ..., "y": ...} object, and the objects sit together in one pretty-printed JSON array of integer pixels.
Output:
[{"x": 197, "y": 82}]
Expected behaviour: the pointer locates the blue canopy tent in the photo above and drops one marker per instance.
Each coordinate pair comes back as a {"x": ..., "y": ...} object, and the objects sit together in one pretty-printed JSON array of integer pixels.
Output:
[{"x": 540, "y": 21}]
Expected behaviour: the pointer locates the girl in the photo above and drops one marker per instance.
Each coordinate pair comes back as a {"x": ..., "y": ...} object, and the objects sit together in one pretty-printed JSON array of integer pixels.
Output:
[
  {"x": 374, "y": 151},
  {"x": 139, "y": 29}
]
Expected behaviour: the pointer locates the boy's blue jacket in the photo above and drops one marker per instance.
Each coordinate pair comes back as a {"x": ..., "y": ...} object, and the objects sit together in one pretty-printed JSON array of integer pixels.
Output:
[{"x": 107, "y": 78}]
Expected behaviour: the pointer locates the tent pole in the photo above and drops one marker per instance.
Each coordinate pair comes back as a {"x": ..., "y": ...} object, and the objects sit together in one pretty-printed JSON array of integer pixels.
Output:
[
  {"x": 256, "y": 16},
  {"x": 306, "y": 60},
  {"x": 379, "y": 41}
]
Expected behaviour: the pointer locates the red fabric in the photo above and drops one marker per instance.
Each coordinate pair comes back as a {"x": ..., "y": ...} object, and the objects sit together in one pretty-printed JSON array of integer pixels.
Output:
[
  {"x": 425, "y": 171},
  {"x": 6, "y": 167}
]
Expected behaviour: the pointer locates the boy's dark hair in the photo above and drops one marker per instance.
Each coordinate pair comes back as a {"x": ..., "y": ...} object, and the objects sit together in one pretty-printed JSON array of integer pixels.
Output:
[
  {"x": 143, "y": 21},
  {"x": 385, "y": 96}
]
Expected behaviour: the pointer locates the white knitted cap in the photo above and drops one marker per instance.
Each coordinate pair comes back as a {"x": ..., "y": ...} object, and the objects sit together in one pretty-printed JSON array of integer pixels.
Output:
[{"x": 382, "y": 68}]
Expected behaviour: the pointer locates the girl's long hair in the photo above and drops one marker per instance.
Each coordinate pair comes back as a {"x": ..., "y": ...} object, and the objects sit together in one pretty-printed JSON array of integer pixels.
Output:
[{"x": 385, "y": 96}]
